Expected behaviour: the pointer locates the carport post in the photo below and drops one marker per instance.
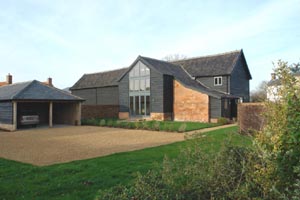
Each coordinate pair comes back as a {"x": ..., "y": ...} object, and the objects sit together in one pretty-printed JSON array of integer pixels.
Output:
[
  {"x": 14, "y": 116},
  {"x": 78, "y": 110},
  {"x": 51, "y": 114}
]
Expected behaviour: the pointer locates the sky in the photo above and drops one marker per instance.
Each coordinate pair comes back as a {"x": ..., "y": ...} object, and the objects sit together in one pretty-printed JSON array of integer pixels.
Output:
[{"x": 64, "y": 39}]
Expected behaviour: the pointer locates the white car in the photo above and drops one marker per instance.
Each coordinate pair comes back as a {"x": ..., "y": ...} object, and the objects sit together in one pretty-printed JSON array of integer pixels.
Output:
[{"x": 29, "y": 118}]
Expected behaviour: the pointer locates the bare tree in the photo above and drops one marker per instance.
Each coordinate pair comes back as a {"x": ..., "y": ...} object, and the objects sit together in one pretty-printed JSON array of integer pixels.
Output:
[
  {"x": 174, "y": 57},
  {"x": 260, "y": 93}
]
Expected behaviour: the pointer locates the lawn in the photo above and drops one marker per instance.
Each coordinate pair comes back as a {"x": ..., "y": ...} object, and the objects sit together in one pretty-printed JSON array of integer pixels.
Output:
[
  {"x": 82, "y": 179},
  {"x": 174, "y": 126}
]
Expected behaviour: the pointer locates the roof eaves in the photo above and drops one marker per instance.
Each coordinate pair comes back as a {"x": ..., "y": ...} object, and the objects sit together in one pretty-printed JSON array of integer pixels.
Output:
[
  {"x": 75, "y": 85},
  {"x": 129, "y": 68}
]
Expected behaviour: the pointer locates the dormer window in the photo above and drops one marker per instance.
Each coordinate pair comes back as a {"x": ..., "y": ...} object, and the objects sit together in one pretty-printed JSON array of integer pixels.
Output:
[{"x": 218, "y": 81}]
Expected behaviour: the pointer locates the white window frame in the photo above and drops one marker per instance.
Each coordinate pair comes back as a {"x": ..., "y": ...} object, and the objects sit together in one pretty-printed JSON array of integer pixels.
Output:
[{"x": 219, "y": 81}]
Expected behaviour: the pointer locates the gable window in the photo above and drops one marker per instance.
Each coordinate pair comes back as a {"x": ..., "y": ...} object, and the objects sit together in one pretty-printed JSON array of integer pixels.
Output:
[
  {"x": 218, "y": 80},
  {"x": 139, "y": 90}
]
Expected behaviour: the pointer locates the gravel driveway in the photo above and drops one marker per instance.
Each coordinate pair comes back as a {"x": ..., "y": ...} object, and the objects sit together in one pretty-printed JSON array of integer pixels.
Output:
[{"x": 46, "y": 146}]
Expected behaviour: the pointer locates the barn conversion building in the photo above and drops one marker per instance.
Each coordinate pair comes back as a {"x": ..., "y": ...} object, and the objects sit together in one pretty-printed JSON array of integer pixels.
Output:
[{"x": 193, "y": 89}]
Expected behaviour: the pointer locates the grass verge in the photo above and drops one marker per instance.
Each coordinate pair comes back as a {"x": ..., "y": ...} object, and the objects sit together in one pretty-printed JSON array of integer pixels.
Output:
[{"x": 82, "y": 179}]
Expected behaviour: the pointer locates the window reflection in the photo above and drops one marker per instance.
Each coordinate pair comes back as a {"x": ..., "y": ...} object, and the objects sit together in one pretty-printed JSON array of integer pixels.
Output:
[
  {"x": 139, "y": 90},
  {"x": 148, "y": 84}
]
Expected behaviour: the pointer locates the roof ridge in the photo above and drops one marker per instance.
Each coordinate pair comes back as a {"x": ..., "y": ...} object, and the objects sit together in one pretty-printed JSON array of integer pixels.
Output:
[
  {"x": 17, "y": 83},
  {"x": 112, "y": 70},
  {"x": 207, "y": 56},
  {"x": 170, "y": 63}
]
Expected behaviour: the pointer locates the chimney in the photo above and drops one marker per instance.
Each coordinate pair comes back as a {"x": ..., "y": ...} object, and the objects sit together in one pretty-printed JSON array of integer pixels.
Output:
[
  {"x": 49, "y": 82},
  {"x": 273, "y": 76},
  {"x": 9, "y": 79}
]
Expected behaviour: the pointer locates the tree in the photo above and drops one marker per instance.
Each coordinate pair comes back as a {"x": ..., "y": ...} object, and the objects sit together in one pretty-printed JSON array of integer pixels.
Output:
[
  {"x": 295, "y": 68},
  {"x": 280, "y": 138},
  {"x": 174, "y": 57},
  {"x": 260, "y": 93}
]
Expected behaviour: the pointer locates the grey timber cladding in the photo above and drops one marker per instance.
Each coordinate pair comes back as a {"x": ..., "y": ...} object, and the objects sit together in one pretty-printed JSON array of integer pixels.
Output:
[
  {"x": 6, "y": 112},
  {"x": 89, "y": 95},
  {"x": 209, "y": 82},
  {"x": 107, "y": 96},
  {"x": 99, "y": 96},
  {"x": 124, "y": 93},
  {"x": 156, "y": 91},
  {"x": 168, "y": 94},
  {"x": 239, "y": 81},
  {"x": 215, "y": 107}
]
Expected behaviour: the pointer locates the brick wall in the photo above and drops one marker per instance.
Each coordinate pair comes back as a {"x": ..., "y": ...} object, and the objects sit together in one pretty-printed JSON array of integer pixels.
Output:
[
  {"x": 123, "y": 115},
  {"x": 190, "y": 105},
  {"x": 161, "y": 116},
  {"x": 250, "y": 116},
  {"x": 101, "y": 111}
]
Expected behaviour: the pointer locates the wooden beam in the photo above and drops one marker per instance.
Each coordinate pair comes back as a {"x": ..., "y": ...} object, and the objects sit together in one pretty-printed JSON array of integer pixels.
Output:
[
  {"x": 51, "y": 114},
  {"x": 78, "y": 110},
  {"x": 15, "y": 113}
]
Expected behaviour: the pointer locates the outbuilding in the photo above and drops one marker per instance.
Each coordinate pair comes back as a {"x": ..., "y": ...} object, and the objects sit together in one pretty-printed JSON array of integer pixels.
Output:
[{"x": 52, "y": 105}]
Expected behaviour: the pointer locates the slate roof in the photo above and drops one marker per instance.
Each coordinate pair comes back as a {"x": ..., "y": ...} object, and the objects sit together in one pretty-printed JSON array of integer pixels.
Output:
[
  {"x": 212, "y": 65},
  {"x": 277, "y": 81},
  {"x": 180, "y": 74},
  {"x": 183, "y": 70},
  {"x": 274, "y": 82},
  {"x": 34, "y": 90},
  {"x": 101, "y": 79}
]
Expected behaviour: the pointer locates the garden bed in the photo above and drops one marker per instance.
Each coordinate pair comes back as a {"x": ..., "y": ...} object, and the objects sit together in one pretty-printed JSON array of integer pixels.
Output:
[{"x": 172, "y": 126}]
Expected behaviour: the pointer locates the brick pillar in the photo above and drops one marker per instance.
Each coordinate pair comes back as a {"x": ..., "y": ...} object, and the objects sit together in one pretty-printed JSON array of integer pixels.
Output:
[{"x": 51, "y": 114}]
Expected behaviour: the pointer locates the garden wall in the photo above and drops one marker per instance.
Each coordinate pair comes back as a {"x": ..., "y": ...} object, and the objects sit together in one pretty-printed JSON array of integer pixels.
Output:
[
  {"x": 250, "y": 116},
  {"x": 99, "y": 111}
]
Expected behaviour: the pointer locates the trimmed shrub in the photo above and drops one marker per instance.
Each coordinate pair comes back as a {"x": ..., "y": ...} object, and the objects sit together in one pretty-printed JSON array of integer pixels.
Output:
[
  {"x": 109, "y": 123},
  {"x": 118, "y": 123},
  {"x": 130, "y": 125},
  {"x": 168, "y": 126},
  {"x": 156, "y": 126},
  {"x": 182, "y": 128},
  {"x": 145, "y": 125},
  {"x": 222, "y": 120},
  {"x": 102, "y": 122}
]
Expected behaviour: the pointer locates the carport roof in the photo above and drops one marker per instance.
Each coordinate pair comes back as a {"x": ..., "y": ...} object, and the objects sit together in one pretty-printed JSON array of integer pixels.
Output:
[{"x": 34, "y": 90}]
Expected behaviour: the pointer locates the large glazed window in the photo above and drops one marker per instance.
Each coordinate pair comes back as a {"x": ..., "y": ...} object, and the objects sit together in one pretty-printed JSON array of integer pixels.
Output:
[{"x": 139, "y": 90}]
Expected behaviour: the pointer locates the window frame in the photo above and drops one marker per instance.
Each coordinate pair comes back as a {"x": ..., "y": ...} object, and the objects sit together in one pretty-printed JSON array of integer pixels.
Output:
[{"x": 218, "y": 80}]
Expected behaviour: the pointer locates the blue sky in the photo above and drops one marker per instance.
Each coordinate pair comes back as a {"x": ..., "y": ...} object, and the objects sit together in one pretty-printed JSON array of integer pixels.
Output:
[{"x": 64, "y": 39}]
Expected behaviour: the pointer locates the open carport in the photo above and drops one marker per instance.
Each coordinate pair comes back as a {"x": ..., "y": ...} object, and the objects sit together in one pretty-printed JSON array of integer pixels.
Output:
[{"x": 53, "y": 106}]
